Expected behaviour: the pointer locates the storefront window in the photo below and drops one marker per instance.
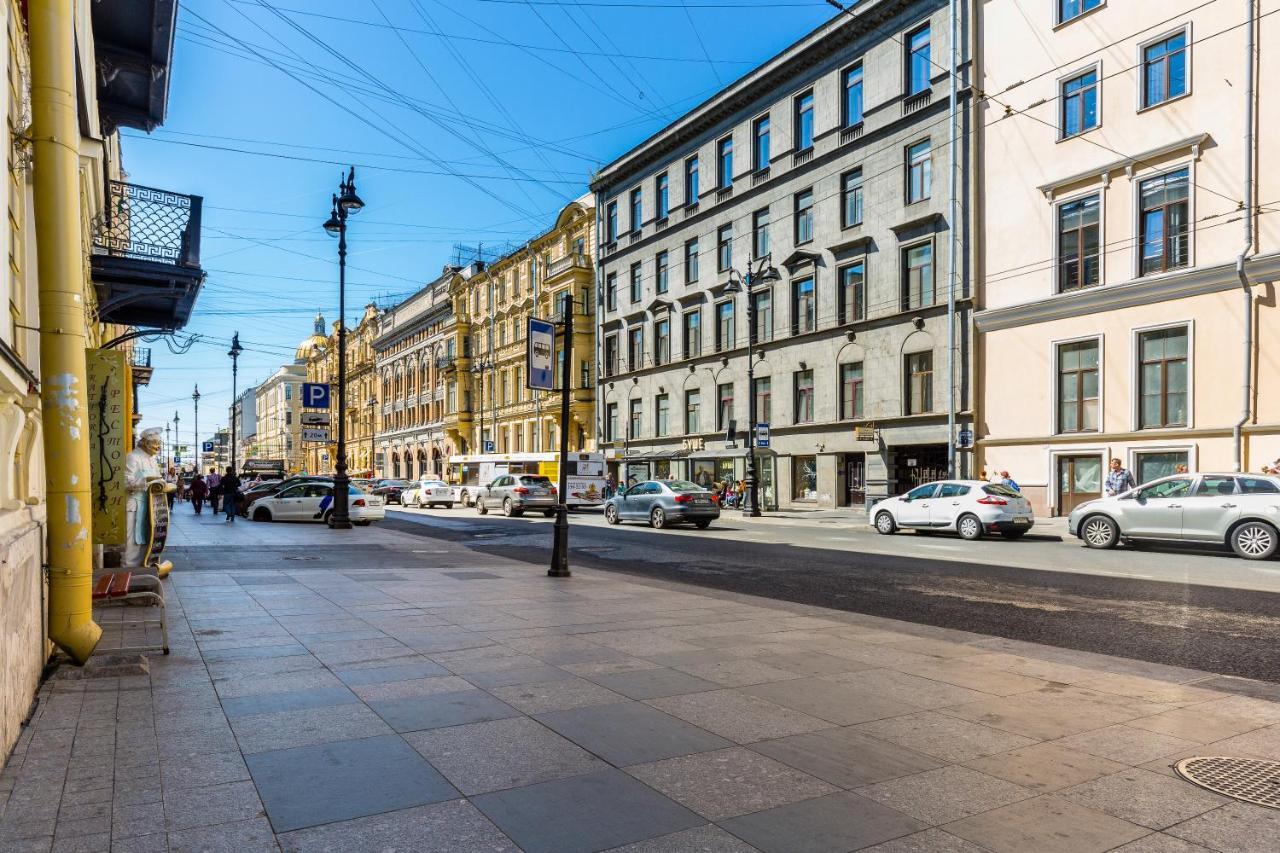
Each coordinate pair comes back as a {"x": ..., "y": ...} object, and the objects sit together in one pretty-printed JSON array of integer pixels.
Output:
[
  {"x": 662, "y": 469},
  {"x": 724, "y": 471},
  {"x": 703, "y": 473},
  {"x": 764, "y": 471},
  {"x": 1153, "y": 466},
  {"x": 805, "y": 478},
  {"x": 637, "y": 472}
]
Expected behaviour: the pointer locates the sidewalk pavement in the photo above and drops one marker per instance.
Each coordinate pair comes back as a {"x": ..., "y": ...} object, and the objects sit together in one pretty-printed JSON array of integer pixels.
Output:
[{"x": 395, "y": 692}]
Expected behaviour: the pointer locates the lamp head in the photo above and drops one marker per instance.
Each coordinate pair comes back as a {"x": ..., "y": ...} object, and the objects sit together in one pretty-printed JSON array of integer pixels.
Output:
[
  {"x": 236, "y": 349},
  {"x": 195, "y": 395},
  {"x": 735, "y": 283},
  {"x": 769, "y": 274},
  {"x": 349, "y": 201},
  {"x": 333, "y": 225}
]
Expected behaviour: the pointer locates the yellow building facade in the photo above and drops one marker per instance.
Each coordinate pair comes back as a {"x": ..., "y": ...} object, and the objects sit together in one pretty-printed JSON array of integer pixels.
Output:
[
  {"x": 320, "y": 355},
  {"x": 488, "y": 404}
]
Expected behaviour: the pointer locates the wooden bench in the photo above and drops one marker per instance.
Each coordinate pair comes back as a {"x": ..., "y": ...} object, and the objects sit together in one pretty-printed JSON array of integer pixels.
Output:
[{"x": 121, "y": 588}]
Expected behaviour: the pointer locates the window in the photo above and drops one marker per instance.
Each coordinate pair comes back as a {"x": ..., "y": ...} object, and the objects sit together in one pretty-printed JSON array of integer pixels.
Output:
[
  {"x": 919, "y": 172},
  {"x": 724, "y": 247},
  {"x": 610, "y": 222},
  {"x": 611, "y": 291},
  {"x": 804, "y": 216},
  {"x": 611, "y": 422},
  {"x": 724, "y": 326},
  {"x": 691, "y": 181},
  {"x": 288, "y": 392},
  {"x": 853, "y": 96},
  {"x": 661, "y": 197},
  {"x": 637, "y": 282},
  {"x": 637, "y": 209},
  {"x": 662, "y": 341},
  {"x": 1080, "y": 104},
  {"x": 803, "y": 400},
  {"x": 693, "y": 334},
  {"x": 760, "y": 154},
  {"x": 288, "y": 416},
  {"x": 635, "y": 347},
  {"x": 634, "y": 416},
  {"x": 1257, "y": 486},
  {"x": 1165, "y": 222},
  {"x": 804, "y": 121},
  {"x": 1164, "y": 70},
  {"x": 724, "y": 162},
  {"x": 691, "y": 261},
  {"x": 918, "y": 61},
  {"x": 917, "y": 284},
  {"x": 851, "y": 199},
  {"x": 660, "y": 278},
  {"x": 1079, "y": 243},
  {"x": 1179, "y": 487},
  {"x": 760, "y": 233},
  {"x": 692, "y": 402},
  {"x": 610, "y": 355},
  {"x": 804, "y": 308},
  {"x": 762, "y": 311},
  {"x": 919, "y": 381},
  {"x": 804, "y": 478},
  {"x": 724, "y": 405},
  {"x": 764, "y": 399},
  {"x": 850, "y": 391},
  {"x": 1078, "y": 387},
  {"x": 852, "y": 295},
  {"x": 661, "y": 415},
  {"x": 1212, "y": 486},
  {"x": 1068, "y": 9},
  {"x": 1162, "y": 378}
]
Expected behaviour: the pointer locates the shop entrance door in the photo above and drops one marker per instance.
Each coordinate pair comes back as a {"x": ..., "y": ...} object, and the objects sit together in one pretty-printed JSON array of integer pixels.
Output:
[
  {"x": 1079, "y": 480},
  {"x": 919, "y": 464},
  {"x": 855, "y": 479}
]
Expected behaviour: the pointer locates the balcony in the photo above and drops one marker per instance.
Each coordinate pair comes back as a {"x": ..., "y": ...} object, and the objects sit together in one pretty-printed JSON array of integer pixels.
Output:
[
  {"x": 917, "y": 102},
  {"x": 146, "y": 257},
  {"x": 572, "y": 261},
  {"x": 140, "y": 365},
  {"x": 849, "y": 134}
]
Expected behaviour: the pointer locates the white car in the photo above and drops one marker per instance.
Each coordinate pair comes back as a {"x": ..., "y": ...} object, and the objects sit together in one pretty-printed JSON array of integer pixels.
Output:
[
  {"x": 313, "y": 501},
  {"x": 972, "y": 508},
  {"x": 428, "y": 493}
]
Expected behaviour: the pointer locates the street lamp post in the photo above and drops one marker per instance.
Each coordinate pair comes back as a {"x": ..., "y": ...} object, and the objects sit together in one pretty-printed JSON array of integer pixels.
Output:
[
  {"x": 478, "y": 369},
  {"x": 177, "y": 437},
  {"x": 168, "y": 444},
  {"x": 344, "y": 204},
  {"x": 372, "y": 403},
  {"x": 759, "y": 271},
  {"x": 560, "y": 535},
  {"x": 195, "y": 430},
  {"x": 234, "y": 352}
]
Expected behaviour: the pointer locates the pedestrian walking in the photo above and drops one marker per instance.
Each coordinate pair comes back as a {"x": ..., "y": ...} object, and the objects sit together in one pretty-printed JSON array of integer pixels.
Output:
[
  {"x": 171, "y": 477},
  {"x": 230, "y": 494},
  {"x": 214, "y": 482},
  {"x": 199, "y": 491},
  {"x": 1119, "y": 479}
]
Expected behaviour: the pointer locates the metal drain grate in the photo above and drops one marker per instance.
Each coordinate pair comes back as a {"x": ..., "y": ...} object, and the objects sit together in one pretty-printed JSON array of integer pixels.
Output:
[{"x": 1246, "y": 779}]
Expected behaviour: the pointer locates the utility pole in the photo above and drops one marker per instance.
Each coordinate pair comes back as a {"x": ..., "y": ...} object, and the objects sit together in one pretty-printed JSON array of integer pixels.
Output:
[
  {"x": 560, "y": 543},
  {"x": 195, "y": 431}
]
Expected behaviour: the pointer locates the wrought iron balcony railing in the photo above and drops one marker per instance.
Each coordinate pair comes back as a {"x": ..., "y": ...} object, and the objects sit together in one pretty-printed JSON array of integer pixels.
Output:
[
  {"x": 140, "y": 357},
  {"x": 148, "y": 224}
]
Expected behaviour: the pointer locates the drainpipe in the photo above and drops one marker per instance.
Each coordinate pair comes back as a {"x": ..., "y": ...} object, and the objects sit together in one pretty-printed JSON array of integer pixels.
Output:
[
  {"x": 60, "y": 253},
  {"x": 1246, "y": 364},
  {"x": 952, "y": 253}
]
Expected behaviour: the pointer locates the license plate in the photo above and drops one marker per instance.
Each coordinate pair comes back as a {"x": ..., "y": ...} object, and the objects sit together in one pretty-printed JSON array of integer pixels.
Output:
[{"x": 1021, "y": 519}]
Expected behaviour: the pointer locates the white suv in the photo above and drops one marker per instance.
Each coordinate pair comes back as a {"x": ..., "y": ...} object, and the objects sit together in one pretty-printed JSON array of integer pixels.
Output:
[{"x": 972, "y": 508}]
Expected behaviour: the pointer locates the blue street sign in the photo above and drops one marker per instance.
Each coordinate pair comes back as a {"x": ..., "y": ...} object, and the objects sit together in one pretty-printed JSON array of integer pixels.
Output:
[
  {"x": 207, "y": 447},
  {"x": 488, "y": 447},
  {"x": 762, "y": 435},
  {"x": 541, "y": 354},
  {"x": 315, "y": 395},
  {"x": 965, "y": 439}
]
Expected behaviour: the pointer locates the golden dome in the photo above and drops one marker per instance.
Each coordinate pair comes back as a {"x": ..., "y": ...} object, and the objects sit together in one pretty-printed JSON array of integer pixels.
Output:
[{"x": 314, "y": 344}]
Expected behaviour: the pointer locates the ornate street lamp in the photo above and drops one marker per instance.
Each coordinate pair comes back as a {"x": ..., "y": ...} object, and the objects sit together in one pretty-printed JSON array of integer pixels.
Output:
[
  {"x": 234, "y": 352},
  {"x": 759, "y": 271},
  {"x": 195, "y": 430},
  {"x": 345, "y": 203}
]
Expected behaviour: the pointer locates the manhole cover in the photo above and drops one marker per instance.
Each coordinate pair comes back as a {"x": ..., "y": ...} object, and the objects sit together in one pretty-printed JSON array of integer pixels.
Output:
[{"x": 1246, "y": 779}]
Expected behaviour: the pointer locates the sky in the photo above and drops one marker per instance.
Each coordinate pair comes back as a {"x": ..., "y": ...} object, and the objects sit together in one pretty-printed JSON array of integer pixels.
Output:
[{"x": 468, "y": 121}]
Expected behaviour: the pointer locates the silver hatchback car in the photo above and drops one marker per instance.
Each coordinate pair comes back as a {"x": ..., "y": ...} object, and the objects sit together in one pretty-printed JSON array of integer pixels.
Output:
[
  {"x": 663, "y": 502},
  {"x": 1240, "y": 510},
  {"x": 514, "y": 493}
]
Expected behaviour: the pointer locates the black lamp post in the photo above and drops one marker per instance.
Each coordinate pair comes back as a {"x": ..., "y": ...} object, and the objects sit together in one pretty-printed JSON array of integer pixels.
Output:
[
  {"x": 759, "y": 271},
  {"x": 372, "y": 403},
  {"x": 177, "y": 437},
  {"x": 479, "y": 369},
  {"x": 345, "y": 203},
  {"x": 234, "y": 352},
  {"x": 168, "y": 443},
  {"x": 195, "y": 430}
]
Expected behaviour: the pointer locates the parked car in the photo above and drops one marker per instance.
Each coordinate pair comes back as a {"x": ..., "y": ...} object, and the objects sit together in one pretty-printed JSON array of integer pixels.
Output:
[
  {"x": 428, "y": 492},
  {"x": 972, "y": 508},
  {"x": 302, "y": 502},
  {"x": 270, "y": 487},
  {"x": 662, "y": 503},
  {"x": 364, "y": 484},
  {"x": 514, "y": 493},
  {"x": 1240, "y": 510},
  {"x": 389, "y": 490}
]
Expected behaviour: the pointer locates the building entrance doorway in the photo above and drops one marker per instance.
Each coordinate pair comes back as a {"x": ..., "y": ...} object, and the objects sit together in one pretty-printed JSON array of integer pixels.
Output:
[
  {"x": 1079, "y": 480},
  {"x": 915, "y": 465},
  {"x": 855, "y": 479}
]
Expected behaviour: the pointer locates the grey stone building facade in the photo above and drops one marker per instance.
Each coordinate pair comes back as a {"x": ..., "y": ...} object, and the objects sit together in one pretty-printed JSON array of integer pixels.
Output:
[{"x": 833, "y": 160}]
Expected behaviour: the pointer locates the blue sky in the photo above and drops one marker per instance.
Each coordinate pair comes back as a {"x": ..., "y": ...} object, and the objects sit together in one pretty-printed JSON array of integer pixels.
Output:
[{"x": 469, "y": 121}]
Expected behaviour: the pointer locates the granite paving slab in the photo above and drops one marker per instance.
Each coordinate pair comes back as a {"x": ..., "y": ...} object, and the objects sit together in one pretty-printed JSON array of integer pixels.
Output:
[
  {"x": 1045, "y": 767},
  {"x": 738, "y": 716},
  {"x": 630, "y": 733},
  {"x": 450, "y": 827},
  {"x": 1145, "y": 798},
  {"x": 836, "y": 823},
  {"x": 1046, "y": 824},
  {"x": 652, "y": 683},
  {"x": 846, "y": 757},
  {"x": 832, "y": 700},
  {"x": 704, "y": 839},
  {"x": 946, "y": 794}
]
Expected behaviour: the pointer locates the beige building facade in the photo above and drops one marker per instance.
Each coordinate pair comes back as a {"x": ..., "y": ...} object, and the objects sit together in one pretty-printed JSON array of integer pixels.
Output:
[
  {"x": 320, "y": 354},
  {"x": 279, "y": 402},
  {"x": 1130, "y": 241}
]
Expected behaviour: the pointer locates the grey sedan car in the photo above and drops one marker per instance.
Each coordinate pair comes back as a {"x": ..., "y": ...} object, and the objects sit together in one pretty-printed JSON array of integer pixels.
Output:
[
  {"x": 1240, "y": 510},
  {"x": 663, "y": 502},
  {"x": 514, "y": 493}
]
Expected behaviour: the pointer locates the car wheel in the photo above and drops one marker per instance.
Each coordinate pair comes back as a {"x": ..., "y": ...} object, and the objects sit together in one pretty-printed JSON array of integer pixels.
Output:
[
  {"x": 703, "y": 523},
  {"x": 969, "y": 527},
  {"x": 420, "y": 504},
  {"x": 657, "y": 518},
  {"x": 1013, "y": 534},
  {"x": 463, "y": 497},
  {"x": 327, "y": 518},
  {"x": 507, "y": 509},
  {"x": 1098, "y": 531},
  {"x": 262, "y": 514},
  {"x": 481, "y": 507},
  {"x": 448, "y": 506},
  {"x": 611, "y": 514},
  {"x": 1255, "y": 540},
  {"x": 549, "y": 513},
  {"x": 885, "y": 523},
  {"x": 364, "y": 522}
]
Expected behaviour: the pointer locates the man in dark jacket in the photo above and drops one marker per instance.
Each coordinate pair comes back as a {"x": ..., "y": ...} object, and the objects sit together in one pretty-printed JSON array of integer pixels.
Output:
[
  {"x": 199, "y": 491},
  {"x": 230, "y": 488}
]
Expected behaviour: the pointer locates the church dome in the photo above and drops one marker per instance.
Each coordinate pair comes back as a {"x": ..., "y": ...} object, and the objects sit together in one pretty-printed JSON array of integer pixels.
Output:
[{"x": 314, "y": 344}]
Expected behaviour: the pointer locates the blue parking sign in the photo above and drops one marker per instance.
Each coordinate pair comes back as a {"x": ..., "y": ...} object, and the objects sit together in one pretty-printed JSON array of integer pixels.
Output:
[
  {"x": 315, "y": 395},
  {"x": 207, "y": 447}
]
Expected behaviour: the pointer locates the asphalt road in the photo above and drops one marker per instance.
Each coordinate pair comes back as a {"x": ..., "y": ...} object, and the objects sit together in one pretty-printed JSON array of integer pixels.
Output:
[{"x": 1117, "y": 610}]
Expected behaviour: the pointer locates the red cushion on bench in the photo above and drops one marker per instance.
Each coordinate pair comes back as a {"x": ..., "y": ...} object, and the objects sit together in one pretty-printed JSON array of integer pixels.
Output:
[
  {"x": 101, "y": 588},
  {"x": 120, "y": 584}
]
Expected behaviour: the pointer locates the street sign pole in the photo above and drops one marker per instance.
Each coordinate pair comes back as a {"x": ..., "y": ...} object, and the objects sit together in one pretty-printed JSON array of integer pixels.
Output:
[{"x": 560, "y": 543}]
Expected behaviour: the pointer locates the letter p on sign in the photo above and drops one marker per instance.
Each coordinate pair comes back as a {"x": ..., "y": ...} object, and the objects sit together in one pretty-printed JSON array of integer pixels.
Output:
[{"x": 315, "y": 395}]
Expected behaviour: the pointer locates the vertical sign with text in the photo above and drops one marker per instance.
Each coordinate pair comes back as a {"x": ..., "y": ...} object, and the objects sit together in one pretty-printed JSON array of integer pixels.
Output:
[{"x": 109, "y": 428}]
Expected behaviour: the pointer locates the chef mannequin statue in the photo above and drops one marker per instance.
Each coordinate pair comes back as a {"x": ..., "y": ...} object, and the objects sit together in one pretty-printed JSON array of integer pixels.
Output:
[{"x": 140, "y": 468}]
